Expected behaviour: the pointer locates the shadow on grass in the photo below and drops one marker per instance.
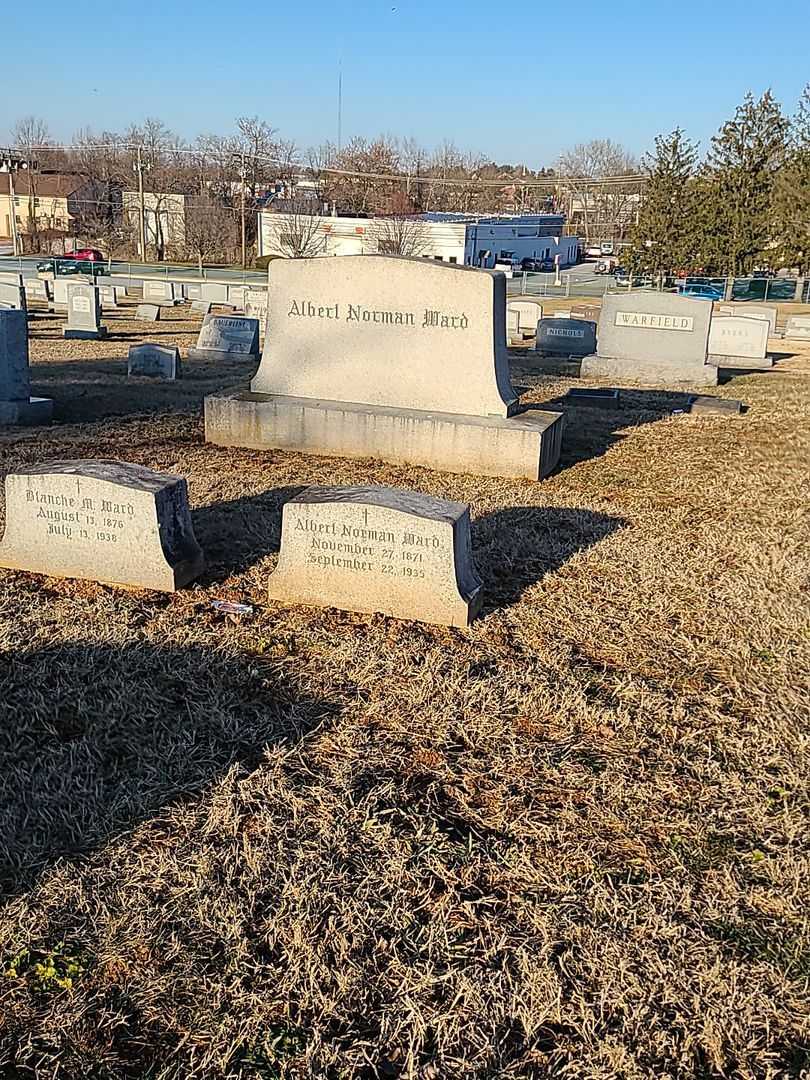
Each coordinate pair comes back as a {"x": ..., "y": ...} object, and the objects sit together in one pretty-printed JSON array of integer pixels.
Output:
[
  {"x": 513, "y": 549},
  {"x": 237, "y": 534},
  {"x": 84, "y": 391},
  {"x": 95, "y": 738}
]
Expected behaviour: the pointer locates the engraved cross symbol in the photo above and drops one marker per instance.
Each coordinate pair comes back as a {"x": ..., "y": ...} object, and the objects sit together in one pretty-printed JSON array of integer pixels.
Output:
[{"x": 365, "y": 516}]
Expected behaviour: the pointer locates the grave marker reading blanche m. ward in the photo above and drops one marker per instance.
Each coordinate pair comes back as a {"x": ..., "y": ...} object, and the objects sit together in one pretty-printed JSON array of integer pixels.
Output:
[
  {"x": 16, "y": 404},
  {"x": 737, "y": 342},
  {"x": 378, "y": 549},
  {"x": 227, "y": 337},
  {"x": 102, "y": 521},
  {"x": 84, "y": 312},
  {"x": 657, "y": 338},
  {"x": 393, "y": 358},
  {"x": 565, "y": 337}
]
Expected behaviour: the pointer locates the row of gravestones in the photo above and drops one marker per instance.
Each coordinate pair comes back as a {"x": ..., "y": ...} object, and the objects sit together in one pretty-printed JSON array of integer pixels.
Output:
[
  {"x": 737, "y": 338},
  {"x": 373, "y": 356}
]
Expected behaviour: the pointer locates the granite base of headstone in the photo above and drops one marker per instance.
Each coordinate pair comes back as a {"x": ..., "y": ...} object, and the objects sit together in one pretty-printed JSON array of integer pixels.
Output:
[
  {"x": 739, "y": 343},
  {"x": 227, "y": 337},
  {"x": 147, "y": 312},
  {"x": 17, "y": 406},
  {"x": 150, "y": 361},
  {"x": 375, "y": 549},
  {"x": 84, "y": 313},
  {"x": 392, "y": 358},
  {"x": 659, "y": 339},
  {"x": 104, "y": 521}
]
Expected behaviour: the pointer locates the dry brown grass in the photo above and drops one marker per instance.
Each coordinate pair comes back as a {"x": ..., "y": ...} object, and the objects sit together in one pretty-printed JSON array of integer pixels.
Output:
[{"x": 570, "y": 840}]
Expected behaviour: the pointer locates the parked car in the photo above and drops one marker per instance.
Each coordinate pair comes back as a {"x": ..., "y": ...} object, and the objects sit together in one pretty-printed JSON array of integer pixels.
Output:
[
  {"x": 701, "y": 292},
  {"x": 593, "y": 252},
  {"x": 81, "y": 261},
  {"x": 544, "y": 265},
  {"x": 606, "y": 248}
]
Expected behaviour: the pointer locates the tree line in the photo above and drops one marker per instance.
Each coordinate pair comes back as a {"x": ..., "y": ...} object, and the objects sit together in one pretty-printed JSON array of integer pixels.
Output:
[{"x": 745, "y": 206}]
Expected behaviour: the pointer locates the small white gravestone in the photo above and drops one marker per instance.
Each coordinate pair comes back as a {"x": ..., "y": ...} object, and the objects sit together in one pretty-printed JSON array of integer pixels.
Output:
[
  {"x": 84, "y": 312},
  {"x": 12, "y": 297},
  {"x": 147, "y": 312},
  {"x": 154, "y": 361},
  {"x": 201, "y": 307},
  {"x": 37, "y": 289},
  {"x": 160, "y": 292},
  {"x": 236, "y": 296},
  {"x": 192, "y": 290},
  {"x": 529, "y": 313},
  {"x": 751, "y": 311},
  {"x": 16, "y": 404},
  {"x": 739, "y": 342},
  {"x": 256, "y": 306},
  {"x": 104, "y": 521},
  {"x": 378, "y": 549},
  {"x": 227, "y": 337},
  {"x": 109, "y": 294},
  {"x": 215, "y": 291}
]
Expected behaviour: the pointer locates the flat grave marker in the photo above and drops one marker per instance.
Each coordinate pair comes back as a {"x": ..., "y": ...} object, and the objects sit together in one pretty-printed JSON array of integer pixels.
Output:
[
  {"x": 105, "y": 521},
  {"x": 378, "y": 550},
  {"x": 201, "y": 307}
]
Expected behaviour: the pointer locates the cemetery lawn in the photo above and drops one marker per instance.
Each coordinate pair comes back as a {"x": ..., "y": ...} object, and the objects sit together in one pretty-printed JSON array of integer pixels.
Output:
[{"x": 569, "y": 840}]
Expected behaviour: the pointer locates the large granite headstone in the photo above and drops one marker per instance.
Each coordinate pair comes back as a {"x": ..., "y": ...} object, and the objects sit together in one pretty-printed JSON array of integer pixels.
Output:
[
  {"x": 751, "y": 311},
  {"x": 378, "y": 549},
  {"x": 657, "y": 338},
  {"x": 154, "y": 361},
  {"x": 103, "y": 521},
  {"x": 739, "y": 342},
  {"x": 565, "y": 337},
  {"x": 393, "y": 358},
  {"x": 16, "y": 404},
  {"x": 798, "y": 327},
  {"x": 147, "y": 312},
  {"x": 12, "y": 297},
  {"x": 84, "y": 312},
  {"x": 227, "y": 337}
]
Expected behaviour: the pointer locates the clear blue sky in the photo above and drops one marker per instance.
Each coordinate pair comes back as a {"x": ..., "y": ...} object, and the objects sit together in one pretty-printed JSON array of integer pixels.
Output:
[{"x": 516, "y": 82}]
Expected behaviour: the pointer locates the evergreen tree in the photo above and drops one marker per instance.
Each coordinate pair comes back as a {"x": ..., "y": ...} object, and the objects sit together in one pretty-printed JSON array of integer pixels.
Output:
[
  {"x": 791, "y": 196},
  {"x": 738, "y": 184},
  {"x": 663, "y": 238}
]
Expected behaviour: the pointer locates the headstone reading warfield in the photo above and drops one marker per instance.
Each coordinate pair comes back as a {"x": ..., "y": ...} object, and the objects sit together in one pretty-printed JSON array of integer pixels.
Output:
[
  {"x": 12, "y": 296},
  {"x": 739, "y": 342},
  {"x": 84, "y": 312},
  {"x": 749, "y": 311},
  {"x": 227, "y": 337},
  {"x": 378, "y": 549},
  {"x": 566, "y": 337},
  {"x": 147, "y": 312},
  {"x": 798, "y": 327},
  {"x": 154, "y": 361},
  {"x": 657, "y": 338},
  {"x": 16, "y": 404},
  {"x": 393, "y": 358},
  {"x": 103, "y": 521}
]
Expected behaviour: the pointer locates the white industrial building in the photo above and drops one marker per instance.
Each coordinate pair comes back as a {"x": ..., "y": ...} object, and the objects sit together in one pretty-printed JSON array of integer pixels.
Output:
[{"x": 452, "y": 238}]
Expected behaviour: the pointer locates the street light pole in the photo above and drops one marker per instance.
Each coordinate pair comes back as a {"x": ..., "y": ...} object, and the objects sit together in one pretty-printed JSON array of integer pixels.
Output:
[{"x": 15, "y": 243}]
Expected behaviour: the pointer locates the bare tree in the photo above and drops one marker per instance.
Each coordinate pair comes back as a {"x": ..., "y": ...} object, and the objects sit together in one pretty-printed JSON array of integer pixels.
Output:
[
  {"x": 300, "y": 234},
  {"x": 210, "y": 230},
  {"x": 30, "y": 136},
  {"x": 401, "y": 234},
  {"x": 585, "y": 171}
]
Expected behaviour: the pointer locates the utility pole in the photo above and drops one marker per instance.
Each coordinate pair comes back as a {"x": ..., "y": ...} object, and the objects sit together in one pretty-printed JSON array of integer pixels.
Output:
[
  {"x": 138, "y": 166},
  {"x": 11, "y": 164},
  {"x": 243, "y": 176}
]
